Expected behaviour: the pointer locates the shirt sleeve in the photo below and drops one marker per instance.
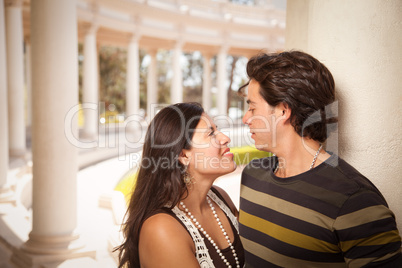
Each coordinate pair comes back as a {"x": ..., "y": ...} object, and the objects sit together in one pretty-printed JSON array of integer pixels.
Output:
[{"x": 367, "y": 231}]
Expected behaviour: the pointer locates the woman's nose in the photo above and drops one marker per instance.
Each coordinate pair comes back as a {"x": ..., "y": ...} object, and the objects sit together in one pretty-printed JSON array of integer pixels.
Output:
[{"x": 224, "y": 139}]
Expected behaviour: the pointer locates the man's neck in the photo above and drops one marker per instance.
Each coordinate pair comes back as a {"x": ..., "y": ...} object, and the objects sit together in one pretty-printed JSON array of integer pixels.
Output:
[{"x": 296, "y": 156}]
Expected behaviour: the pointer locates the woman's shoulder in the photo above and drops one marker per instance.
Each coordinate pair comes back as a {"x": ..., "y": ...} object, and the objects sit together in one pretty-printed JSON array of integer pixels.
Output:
[
  {"x": 162, "y": 225},
  {"x": 161, "y": 237}
]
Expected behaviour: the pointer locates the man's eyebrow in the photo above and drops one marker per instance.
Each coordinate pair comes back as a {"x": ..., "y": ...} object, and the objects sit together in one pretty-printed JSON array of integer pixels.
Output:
[{"x": 250, "y": 102}]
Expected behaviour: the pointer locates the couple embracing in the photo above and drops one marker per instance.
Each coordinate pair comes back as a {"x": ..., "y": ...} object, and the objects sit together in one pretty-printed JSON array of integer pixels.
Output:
[{"x": 302, "y": 207}]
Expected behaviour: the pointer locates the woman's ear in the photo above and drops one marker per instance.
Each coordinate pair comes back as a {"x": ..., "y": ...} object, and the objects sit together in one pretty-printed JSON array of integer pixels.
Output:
[{"x": 185, "y": 157}]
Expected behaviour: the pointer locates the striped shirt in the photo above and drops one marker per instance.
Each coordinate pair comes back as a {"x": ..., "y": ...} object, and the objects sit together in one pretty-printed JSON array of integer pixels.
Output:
[{"x": 330, "y": 216}]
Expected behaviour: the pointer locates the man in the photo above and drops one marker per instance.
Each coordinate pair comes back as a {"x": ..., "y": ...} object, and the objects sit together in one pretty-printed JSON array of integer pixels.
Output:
[{"x": 306, "y": 207}]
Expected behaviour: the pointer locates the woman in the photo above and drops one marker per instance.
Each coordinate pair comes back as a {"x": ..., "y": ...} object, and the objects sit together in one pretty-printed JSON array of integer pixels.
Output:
[{"x": 176, "y": 217}]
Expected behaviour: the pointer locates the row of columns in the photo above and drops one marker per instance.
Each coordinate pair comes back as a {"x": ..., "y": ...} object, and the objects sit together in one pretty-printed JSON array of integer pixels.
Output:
[
  {"x": 54, "y": 85},
  {"x": 91, "y": 87}
]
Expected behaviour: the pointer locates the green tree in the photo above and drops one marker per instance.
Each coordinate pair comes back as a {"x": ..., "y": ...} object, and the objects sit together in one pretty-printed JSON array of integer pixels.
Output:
[
  {"x": 112, "y": 77},
  {"x": 192, "y": 77},
  {"x": 164, "y": 64}
]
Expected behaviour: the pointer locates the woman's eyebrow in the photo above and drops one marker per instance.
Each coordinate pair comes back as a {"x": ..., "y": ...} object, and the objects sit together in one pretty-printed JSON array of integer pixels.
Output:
[{"x": 209, "y": 130}]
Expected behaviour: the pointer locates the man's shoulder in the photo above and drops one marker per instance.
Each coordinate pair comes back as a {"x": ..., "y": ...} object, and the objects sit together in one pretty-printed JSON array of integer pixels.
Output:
[{"x": 346, "y": 177}]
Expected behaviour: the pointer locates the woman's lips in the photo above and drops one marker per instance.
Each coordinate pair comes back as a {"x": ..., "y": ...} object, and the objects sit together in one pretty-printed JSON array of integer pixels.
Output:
[{"x": 227, "y": 152}]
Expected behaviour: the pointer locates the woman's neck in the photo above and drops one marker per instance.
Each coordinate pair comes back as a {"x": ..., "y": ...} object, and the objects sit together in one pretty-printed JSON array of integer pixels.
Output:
[{"x": 196, "y": 198}]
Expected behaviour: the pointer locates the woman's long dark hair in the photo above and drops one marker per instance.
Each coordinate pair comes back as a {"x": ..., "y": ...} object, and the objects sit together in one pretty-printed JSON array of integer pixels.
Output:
[{"x": 160, "y": 178}]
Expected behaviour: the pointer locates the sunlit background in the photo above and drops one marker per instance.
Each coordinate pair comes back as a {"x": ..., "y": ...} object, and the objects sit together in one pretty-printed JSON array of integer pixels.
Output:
[{"x": 81, "y": 80}]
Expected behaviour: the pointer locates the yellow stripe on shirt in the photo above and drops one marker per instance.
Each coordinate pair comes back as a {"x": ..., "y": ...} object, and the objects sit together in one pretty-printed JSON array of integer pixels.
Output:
[
  {"x": 282, "y": 260},
  {"x": 286, "y": 235},
  {"x": 293, "y": 210},
  {"x": 374, "y": 240}
]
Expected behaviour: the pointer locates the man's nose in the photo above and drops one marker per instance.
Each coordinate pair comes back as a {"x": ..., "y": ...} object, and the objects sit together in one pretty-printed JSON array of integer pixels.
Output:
[{"x": 246, "y": 118}]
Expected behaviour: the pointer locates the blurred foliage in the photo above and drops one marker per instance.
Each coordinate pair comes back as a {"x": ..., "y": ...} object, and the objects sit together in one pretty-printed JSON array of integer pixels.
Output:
[
  {"x": 80, "y": 70},
  {"x": 113, "y": 75},
  {"x": 111, "y": 117},
  {"x": 80, "y": 116},
  {"x": 164, "y": 65},
  {"x": 192, "y": 77}
]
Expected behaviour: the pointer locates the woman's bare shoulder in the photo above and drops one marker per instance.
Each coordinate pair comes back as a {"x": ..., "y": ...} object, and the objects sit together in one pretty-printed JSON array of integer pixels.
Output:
[{"x": 161, "y": 237}]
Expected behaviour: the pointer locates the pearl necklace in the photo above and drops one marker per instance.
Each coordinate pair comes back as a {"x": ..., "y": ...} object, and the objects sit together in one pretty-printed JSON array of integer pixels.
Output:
[
  {"x": 312, "y": 163},
  {"x": 209, "y": 237}
]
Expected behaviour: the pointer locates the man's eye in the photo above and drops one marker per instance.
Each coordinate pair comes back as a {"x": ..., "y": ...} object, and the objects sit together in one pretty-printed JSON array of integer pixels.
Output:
[{"x": 211, "y": 133}]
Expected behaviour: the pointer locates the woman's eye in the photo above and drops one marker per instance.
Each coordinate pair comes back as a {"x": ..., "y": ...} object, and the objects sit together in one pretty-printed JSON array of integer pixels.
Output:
[{"x": 213, "y": 131}]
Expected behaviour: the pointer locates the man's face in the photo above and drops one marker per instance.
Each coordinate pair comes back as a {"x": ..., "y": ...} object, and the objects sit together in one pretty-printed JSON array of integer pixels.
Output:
[{"x": 260, "y": 117}]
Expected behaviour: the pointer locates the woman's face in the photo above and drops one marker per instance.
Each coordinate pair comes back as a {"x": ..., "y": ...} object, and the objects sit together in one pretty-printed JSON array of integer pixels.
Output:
[{"x": 209, "y": 155}]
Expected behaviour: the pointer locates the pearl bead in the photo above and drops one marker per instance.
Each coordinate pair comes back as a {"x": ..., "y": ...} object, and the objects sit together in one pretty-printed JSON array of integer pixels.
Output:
[{"x": 209, "y": 238}]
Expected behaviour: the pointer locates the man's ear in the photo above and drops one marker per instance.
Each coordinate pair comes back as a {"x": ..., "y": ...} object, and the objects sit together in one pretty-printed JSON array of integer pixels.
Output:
[
  {"x": 185, "y": 157},
  {"x": 284, "y": 110}
]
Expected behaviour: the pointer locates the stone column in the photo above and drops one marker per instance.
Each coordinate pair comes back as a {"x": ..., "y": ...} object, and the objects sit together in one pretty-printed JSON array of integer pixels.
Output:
[
  {"x": 206, "y": 83},
  {"x": 133, "y": 78},
  {"x": 222, "y": 96},
  {"x": 176, "y": 90},
  {"x": 15, "y": 75},
  {"x": 28, "y": 82},
  {"x": 90, "y": 93},
  {"x": 55, "y": 159},
  {"x": 363, "y": 52},
  {"x": 5, "y": 192},
  {"x": 152, "y": 85}
]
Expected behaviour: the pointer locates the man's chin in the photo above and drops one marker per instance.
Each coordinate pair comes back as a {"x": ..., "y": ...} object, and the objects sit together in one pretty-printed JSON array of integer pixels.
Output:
[{"x": 261, "y": 147}]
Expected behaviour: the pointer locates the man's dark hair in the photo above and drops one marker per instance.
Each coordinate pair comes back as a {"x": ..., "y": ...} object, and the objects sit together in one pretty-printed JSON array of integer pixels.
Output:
[{"x": 300, "y": 81}]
